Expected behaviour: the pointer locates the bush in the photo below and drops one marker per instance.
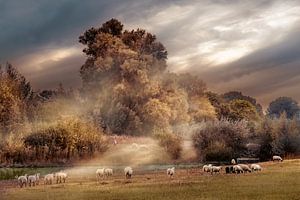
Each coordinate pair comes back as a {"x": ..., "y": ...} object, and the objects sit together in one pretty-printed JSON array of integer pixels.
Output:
[
  {"x": 70, "y": 138},
  {"x": 278, "y": 136},
  {"x": 171, "y": 143},
  {"x": 221, "y": 140},
  {"x": 63, "y": 141}
]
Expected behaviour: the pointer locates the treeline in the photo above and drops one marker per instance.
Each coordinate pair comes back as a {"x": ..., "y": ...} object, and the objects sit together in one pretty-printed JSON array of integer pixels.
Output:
[{"x": 127, "y": 90}]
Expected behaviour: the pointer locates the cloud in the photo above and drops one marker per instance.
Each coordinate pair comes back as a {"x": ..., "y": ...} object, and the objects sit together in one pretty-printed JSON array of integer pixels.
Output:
[
  {"x": 250, "y": 46},
  {"x": 267, "y": 73}
]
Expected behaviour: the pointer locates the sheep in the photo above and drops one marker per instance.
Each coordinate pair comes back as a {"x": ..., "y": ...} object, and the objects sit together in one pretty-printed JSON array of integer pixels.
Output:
[
  {"x": 277, "y": 158},
  {"x": 33, "y": 179},
  {"x": 233, "y": 162},
  {"x": 48, "y": 179},
  {"x": 237, "y": 169},
  {"x": 134, "y": 146},
  {"x": 143, "y": 147},
  {"x": 108, "y": 172},
  {"x": 60, "y": 177},
  {"x": 207, "y": 168},
  {"x": 255, "y": 167},
  {"x": 100, "y": 174},
  {"x": 171, "y": 172},
  {"x": 245, "y": 167},
  {"x": 22, "y": 180},
  {"x": 229, "y": 169},
  {"x": 216, "y": 169},
  {"x": 128, "y": 172}
]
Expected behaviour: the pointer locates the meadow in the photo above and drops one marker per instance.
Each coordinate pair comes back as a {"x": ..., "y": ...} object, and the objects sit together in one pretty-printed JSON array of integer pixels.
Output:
[{"x": 275, "y": 181}]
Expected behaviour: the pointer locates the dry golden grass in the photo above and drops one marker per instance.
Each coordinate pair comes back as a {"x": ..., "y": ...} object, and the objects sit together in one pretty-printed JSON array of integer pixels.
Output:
[{"x": 276, "y": 181}]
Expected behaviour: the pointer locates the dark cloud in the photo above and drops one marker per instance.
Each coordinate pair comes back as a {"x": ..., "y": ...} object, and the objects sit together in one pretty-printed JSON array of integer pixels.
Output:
[
  {"x": 41, "y": 38},
  {"x": 274, "y": 70}
]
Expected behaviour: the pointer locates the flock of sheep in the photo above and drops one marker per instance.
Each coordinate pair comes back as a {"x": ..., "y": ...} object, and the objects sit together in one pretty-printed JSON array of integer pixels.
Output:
[
  {"x": 33, "y": 180},
  {"x": 103, "y": 173}
]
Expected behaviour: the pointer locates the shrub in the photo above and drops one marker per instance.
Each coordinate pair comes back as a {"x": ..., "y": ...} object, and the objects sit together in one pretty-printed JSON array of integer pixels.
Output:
[
  {"x": 221, "y": 140},
  {"x": 170, "y": 142}
]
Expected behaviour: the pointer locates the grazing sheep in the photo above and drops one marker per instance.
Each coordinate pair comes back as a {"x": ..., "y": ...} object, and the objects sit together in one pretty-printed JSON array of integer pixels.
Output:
[
  {"x": 277, "y": 158},
  {"x": 229, "y": 169},
  {"x": 245, "y": 167},
  {"x": 33, "y": 179},
  {"x": 48, "y": 179},
  {"x": 108, "y": 172},
  {"x": 171, "y": 172},
  {"x": 61, "y": 177},
  {"x": 233, "y": 162},
  {"x": 143, "y": 147},
  {"x": 22, "y": 180},
  {"x": 207, "y": 168},
  {"x": 255, "y": 167},
  {"x": 128, "y": 172},
  {"x": 237, "y": 169},
  {"x": 134, "y": 146},
  {"x": 216, "y": 169},
  {"x": 100, "y": 174}
]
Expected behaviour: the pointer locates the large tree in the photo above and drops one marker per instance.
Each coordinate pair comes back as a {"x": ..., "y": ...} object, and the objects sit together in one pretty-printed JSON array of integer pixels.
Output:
[
  {"x": 283, "y": 105},
  {"x": 126, "y": 80}
]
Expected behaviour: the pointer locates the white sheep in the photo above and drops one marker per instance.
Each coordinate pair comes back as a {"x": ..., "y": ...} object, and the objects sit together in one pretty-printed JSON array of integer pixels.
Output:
[
  {"x": 100, "y": 174},
  {"x": 207, "y": 168},
  {"x": 33, "y": 179},
  {"x": 128, "y": 172},
  {"x": 108, "y": 172},
  {"x": 60, "y": 177},
  {"x": 134, "y": 146},
  {"x": 22, "y": 180},
  {"x": 171, "y": 172},
  {"x": 233, "y": 162},
  {"x": 277, "y": 158},
  {"x": 216, "y": 169},
  {"x": 237, "y": 169},
  {"x": 245, "y": 167},
  {"x": 48, "y": 179},
  {"x": 255, "y": 167}
]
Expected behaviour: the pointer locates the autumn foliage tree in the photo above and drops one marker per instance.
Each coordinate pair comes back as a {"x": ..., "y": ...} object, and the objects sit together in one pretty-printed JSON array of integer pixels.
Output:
[
  {"x": 15, "y": 96},
  {"x": 127, "y": 72}
]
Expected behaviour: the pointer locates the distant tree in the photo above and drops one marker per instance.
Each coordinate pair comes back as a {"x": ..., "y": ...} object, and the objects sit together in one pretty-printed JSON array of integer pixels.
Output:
[
  {"x": 242, "y": 110},
  {"x": 233, "y": 95},
  {"x": 15, "y": 98},
  {"x": 281, "y": 105}
]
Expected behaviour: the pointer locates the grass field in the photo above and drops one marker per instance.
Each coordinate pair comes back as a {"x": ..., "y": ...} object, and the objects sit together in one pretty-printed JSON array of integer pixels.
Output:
[{"x": 276, "y": 181}]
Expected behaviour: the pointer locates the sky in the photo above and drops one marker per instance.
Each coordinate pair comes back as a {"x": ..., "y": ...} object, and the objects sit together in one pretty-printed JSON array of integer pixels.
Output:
[{"x": 249, "y": 46}]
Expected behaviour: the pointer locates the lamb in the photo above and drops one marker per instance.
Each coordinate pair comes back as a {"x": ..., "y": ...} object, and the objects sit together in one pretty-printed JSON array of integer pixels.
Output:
[
  {"x": 171, "y": 171},
  {"x": 99, "y": 174},
  {"x": 60, "y": 177},
  {"x": 233, "y": 162},
  {"x": 255, "y": 167},
  {"x": 22, "y": 180},
  {"x": 207, "y": 168},
  {"x": 48, "y": 179},
  {"x": 215, "y": 169},
  {"x": 237, "y": 169},
  {"x": 277, "y": 158},
  {"x": 128, "y": 172},
  {"x": 245, "y": 168},
  {"x": 108, "y": 172},
  {"x": 33, "y": 179}
]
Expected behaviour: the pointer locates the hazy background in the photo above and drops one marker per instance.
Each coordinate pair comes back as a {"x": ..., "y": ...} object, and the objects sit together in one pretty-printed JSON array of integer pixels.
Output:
[{"x": 251, "y": 46}]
